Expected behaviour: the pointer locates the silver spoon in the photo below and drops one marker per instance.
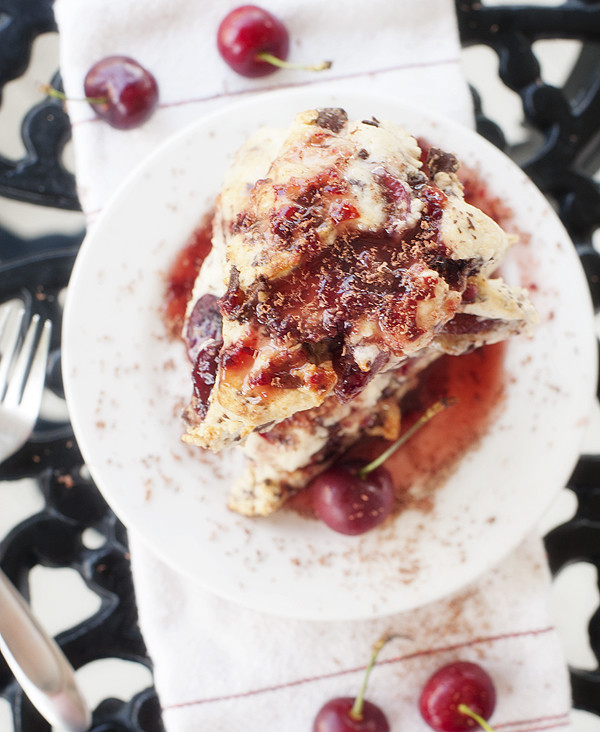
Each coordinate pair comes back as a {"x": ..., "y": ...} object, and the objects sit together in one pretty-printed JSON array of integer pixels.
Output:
[{"x": 38, "y": 664}]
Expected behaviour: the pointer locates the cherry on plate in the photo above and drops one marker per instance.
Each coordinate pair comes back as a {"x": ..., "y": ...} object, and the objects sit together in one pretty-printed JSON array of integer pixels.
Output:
[
  {"x": 352, "y": 504},
  {"x": 121, "y": 91},
  {"x": 353, "y": 497},
  {"x": 460, "y": 696}
]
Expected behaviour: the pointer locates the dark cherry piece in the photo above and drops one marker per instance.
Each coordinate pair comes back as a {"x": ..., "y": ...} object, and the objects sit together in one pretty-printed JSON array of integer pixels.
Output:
[
  {"x": 351, "y": 504},
  {"x": 204, "y": 340},
  {"x": 335, "y": 716},
  {"x": 454, "y": 693},
  {"x": 204, "y": 374},
  {"x": 247, "y": 32},
  {"x": 121, "y": 91},
  {"x": 205, "y": 323}
]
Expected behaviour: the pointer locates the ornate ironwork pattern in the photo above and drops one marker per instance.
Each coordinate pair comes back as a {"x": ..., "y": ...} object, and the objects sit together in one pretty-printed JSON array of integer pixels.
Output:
[
  {"x": 40, "y": 176},
  {"x": 561, "y": 159},
  {"x": 36, "y": 271},
  {"x": 563, "y": 155},
  {"x": 567, "y": 152},
  {"x": 54, "y": 537}
]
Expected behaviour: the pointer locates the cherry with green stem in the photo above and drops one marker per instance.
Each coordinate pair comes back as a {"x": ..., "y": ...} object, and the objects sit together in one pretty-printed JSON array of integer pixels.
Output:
[
  {"x": 458, "y": 697},
  {"x": 352, "y": 497},
  {"x": 254, "y": 43},
  {"x": 423, "y": 419},
  {"x": 120, "y": 91},
  {"x": 354, "y": 714},
  {"x": 464, "y": 709}
]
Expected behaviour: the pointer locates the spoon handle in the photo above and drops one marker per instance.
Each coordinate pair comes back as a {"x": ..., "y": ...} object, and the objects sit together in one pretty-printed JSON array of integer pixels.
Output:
[{"x": 38, "y": 664}]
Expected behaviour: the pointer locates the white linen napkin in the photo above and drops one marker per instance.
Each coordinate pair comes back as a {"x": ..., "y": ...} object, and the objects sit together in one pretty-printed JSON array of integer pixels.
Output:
[
  {"x": 219, "y": 666},
  {"x": 407, "y": 48}
]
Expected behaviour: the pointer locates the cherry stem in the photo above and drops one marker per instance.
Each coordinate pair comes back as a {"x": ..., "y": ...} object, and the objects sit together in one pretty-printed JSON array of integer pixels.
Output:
[
  {"x": 52, "y": 92},
  {"x": 464, "y": 709},
  {"x": 281, "y": 64},
  {"x": 356, "y": 712},
  {"x": 423, "y": 419}
]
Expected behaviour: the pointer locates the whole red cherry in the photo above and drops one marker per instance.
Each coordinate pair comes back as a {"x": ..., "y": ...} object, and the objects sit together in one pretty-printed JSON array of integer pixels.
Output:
[
  {"x": 247, "y": 32},
  {"x": 460, "y": 696},
  {"x": 347, "y": 714},
  {"x": 351, "y": 503},
  {"x": 354, "y": 497},
  {"x": 121, "y": 91},
  {"x": 336, "y": 716}
]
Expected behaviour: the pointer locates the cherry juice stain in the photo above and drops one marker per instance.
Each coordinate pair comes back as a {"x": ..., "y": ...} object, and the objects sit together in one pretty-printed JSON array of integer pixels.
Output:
[
  {"x": 476, "y": 381},
  {"x": 182, "y": 275}
]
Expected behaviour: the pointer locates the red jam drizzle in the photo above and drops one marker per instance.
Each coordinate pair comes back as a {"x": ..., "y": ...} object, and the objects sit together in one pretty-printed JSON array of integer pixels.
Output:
[
  {"x": 182, "y": 275},
  {"x": 357, "y": 276}
]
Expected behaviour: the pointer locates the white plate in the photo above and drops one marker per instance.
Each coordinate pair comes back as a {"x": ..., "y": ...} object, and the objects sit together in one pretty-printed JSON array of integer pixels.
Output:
[{"x": 125, "y": 384}]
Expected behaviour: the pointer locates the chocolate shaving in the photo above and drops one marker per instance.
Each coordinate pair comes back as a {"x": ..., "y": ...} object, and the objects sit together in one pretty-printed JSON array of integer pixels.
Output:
[
  {"x": 332, "y": 118},
  {"x": 439, "y": 161}
]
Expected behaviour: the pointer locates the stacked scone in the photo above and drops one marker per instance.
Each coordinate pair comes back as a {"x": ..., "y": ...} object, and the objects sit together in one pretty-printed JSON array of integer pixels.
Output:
[{"x": 345, "y": 260}]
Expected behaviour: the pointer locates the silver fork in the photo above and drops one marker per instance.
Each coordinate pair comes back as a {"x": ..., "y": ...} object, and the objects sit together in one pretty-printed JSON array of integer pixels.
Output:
[
  {"x": 37, "y": 662},
  {"x": 22, "y": 375}
]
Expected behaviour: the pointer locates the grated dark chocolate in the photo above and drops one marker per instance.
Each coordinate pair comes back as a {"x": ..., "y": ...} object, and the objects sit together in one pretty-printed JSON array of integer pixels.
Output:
[{"x": 332, "y": 118}]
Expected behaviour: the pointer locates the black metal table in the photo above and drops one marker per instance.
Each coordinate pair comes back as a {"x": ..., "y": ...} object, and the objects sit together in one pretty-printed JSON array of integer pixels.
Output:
[{"x": 561, "y": 154}]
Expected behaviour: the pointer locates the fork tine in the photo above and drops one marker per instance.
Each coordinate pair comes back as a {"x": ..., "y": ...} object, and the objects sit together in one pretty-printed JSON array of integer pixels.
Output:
[
  {"x": 34, "y": 387},
  {"x": 8, "y": 340},
  {"x": 19, "y": 373},
  {"x": 5, "y": 313}
]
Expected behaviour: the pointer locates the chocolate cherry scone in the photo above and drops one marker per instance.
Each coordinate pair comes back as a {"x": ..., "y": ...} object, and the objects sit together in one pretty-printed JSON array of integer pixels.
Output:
[{"x": 345, "y": 260}]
